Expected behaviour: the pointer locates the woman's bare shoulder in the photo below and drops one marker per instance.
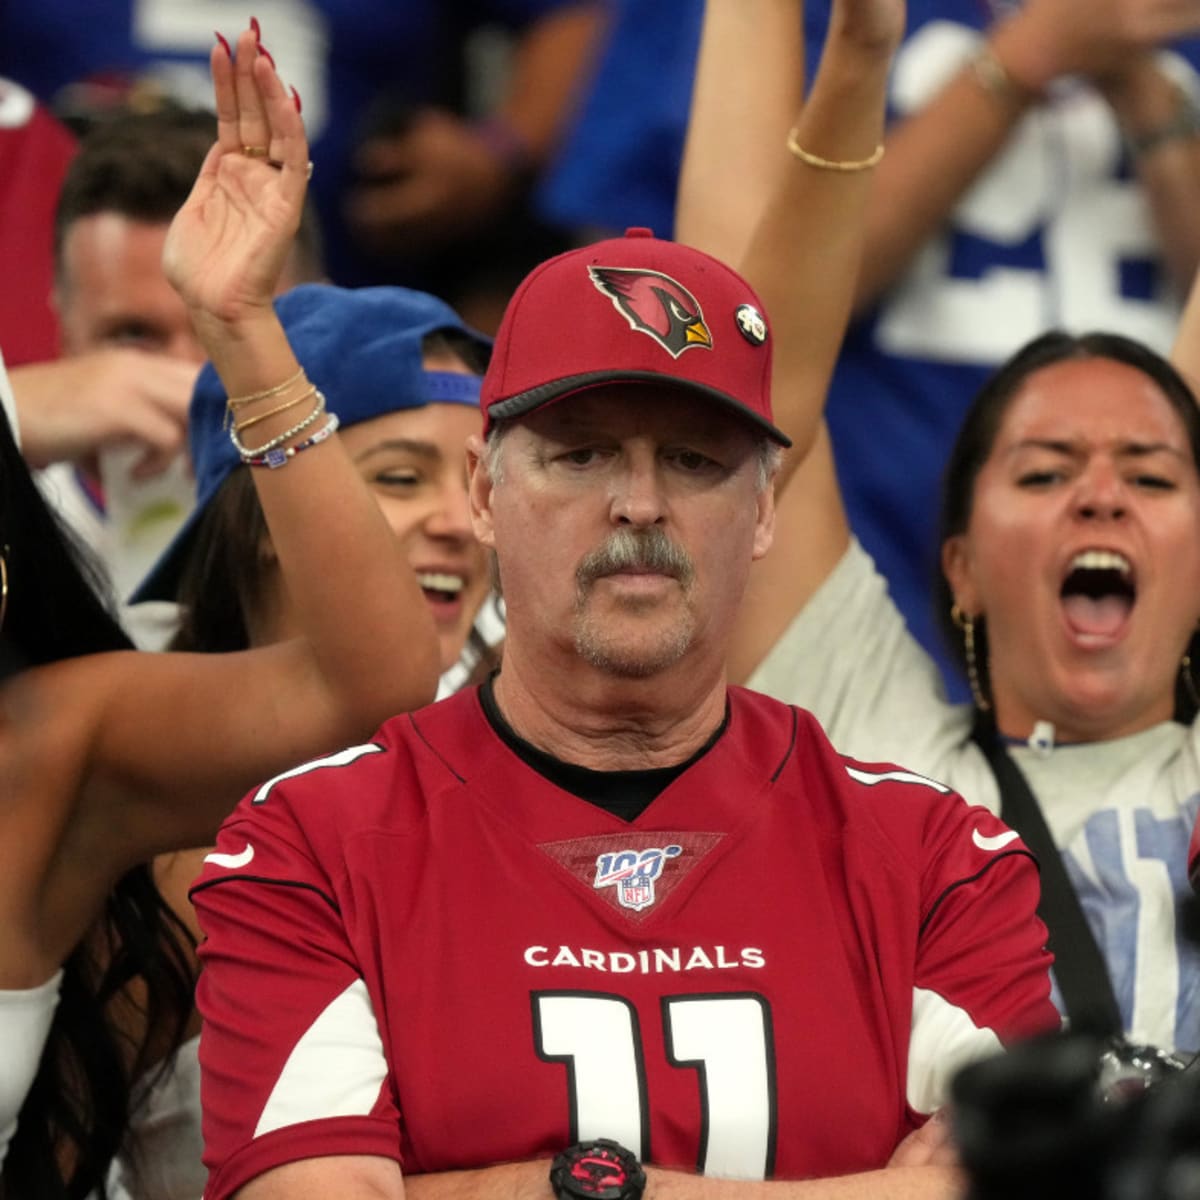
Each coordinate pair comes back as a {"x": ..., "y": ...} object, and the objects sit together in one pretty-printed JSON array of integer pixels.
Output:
[{"x": 48, "y": 719}]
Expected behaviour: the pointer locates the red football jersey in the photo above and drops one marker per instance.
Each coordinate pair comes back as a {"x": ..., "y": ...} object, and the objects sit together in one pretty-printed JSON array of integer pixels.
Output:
[{"x": 421, "y": 948}]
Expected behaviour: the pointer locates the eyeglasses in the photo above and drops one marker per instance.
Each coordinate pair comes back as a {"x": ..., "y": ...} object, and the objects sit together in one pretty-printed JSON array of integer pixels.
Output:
[{"x": 3, "y": 584}]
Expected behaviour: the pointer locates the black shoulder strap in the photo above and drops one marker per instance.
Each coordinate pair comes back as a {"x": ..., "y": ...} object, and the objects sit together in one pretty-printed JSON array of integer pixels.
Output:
[{"x": 1079, "y": 966}]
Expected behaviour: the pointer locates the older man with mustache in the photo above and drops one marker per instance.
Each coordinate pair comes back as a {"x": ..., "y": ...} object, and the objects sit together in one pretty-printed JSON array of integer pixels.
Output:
[{"x": 605, "y": 910}]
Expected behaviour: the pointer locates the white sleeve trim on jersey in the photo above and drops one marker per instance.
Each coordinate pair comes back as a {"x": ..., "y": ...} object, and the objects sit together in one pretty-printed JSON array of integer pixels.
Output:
[
  {"x": 335, "y": 1070},
  {"x": 343, "y": 758},
  {"x": 871, "y": 778},
  {"x": 943, "y": 1040}
]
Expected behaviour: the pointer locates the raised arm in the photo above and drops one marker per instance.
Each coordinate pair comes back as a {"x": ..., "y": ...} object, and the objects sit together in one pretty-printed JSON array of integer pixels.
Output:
[
  {"x": 801, "y": 247},
  {"x": 937, "y": 152},
  {"x": 181, "y": 737},
  {"x": 1185, "y": 354},
  {"x": 445, "y": 176}
]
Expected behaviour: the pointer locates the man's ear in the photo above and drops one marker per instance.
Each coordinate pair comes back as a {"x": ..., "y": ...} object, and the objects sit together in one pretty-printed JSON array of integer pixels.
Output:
[
  {"x": 479, "y": 489},
  {"x": 956, "y": 566},
  {"x": 764, "y": 526}
]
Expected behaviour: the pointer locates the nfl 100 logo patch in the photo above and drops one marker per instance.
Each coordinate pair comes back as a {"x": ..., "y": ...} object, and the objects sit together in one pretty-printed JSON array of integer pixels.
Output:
[
  {"x": 632, "y": 873},
  {"x": 638, "y": 873}
]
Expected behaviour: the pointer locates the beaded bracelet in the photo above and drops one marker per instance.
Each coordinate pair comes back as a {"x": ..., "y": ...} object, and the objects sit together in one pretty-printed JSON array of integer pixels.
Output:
[
  {"x": 251, "y": 451},
  {"x": 280, "y": 456},
  {"x": 1182, "y": 125}
]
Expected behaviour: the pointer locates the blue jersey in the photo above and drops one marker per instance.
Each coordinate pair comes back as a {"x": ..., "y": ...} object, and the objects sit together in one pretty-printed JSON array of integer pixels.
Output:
[{"x": 619, "y": 164}]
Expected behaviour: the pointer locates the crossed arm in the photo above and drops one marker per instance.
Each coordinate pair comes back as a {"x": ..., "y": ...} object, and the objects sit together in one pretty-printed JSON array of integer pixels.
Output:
[{"x": 921, "y": 1169}]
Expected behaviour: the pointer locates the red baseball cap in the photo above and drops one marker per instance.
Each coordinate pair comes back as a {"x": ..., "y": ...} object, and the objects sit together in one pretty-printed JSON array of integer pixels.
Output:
[{"x": 629, "y": 310}]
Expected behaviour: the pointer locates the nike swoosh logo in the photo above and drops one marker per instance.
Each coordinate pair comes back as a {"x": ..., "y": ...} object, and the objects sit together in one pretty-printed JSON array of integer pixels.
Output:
[
  {"x": 234, "y": 861},
  {"x": 989, "y": 843}
]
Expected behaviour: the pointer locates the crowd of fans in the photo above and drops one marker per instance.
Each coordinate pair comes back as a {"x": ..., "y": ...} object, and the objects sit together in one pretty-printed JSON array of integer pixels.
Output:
[{"x": 688, "y": 699}]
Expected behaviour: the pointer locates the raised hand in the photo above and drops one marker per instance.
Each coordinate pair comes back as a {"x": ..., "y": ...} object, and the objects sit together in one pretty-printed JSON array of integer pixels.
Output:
[
  {"x": 1046, "y": 39},
  {"x": 227, "y": 245},
  {"x": 425, "y": 187},
  {"x": 871, "y": 24}
]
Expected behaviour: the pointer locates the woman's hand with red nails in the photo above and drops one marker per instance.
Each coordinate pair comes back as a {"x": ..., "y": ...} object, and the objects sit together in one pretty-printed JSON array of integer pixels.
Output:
[{"x": 227, "y": 245}]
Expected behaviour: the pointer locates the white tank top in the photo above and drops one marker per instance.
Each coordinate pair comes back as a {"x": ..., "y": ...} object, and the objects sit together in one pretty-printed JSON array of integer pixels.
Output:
[
  {"x": 163, "y": 1145},
  {"x": 25, "y": 1018}
]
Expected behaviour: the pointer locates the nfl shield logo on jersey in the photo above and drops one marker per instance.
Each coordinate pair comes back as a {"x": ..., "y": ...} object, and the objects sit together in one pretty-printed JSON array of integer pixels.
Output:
[{"x": 633, "y": 872}]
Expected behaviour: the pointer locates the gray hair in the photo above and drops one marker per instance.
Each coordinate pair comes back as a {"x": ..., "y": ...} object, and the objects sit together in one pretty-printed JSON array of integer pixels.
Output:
[
  {"x": 493, "y": 457},
  {"x": 769, "y": 454}
]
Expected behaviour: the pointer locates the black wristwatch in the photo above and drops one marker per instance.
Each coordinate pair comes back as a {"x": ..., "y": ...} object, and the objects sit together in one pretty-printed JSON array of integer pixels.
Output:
[{"x": 597, "y": 1170}]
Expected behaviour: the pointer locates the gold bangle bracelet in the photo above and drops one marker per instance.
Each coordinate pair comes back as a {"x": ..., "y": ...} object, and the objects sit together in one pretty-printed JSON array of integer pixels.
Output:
[
  {"x": 250, "y": 422},
  {"x": 236, "y": 402},
  {"x": 830, "y": 164}
]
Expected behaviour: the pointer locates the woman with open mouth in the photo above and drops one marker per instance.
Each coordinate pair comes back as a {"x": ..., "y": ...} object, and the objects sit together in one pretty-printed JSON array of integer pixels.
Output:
[{"x": 1070, "y": 580}]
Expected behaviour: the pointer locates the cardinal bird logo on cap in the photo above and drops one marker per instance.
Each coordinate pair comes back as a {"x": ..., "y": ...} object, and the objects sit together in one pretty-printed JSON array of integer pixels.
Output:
[{"x": 656, "y": 305}]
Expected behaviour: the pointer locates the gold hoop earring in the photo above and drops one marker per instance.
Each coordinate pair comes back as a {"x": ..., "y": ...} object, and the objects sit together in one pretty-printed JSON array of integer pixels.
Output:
[
  {"x": 1189, "y": 682},
  {"x": 966, "y": 623},
  {"x": 3, "y": 585}
]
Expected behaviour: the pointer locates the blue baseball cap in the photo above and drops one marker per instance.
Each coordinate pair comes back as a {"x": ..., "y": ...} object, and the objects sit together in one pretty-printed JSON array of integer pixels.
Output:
[{"x": 362, "y": 348}]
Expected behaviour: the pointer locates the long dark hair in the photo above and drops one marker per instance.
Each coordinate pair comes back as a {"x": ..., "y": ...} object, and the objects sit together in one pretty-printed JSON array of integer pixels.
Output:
[
  {"x": 976, "y": 438},
  {"x": 56, "y": 606},
  {"x": 225, "y": 578},
  {"x": 78, "y": 1107}
]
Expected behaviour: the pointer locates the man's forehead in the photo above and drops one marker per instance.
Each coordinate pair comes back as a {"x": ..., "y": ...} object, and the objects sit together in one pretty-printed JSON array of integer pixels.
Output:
[
  {"x": 111, "y": 235},
  {"x": 638, "y": 408}
]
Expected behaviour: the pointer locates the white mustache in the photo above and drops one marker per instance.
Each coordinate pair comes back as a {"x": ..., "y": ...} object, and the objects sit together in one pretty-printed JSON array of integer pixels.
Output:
[{"x": 647, "y": 550}]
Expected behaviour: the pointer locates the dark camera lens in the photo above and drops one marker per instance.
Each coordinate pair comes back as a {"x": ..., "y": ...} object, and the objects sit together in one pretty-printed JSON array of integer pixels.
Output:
[{"x": 1078, "y": 1115}]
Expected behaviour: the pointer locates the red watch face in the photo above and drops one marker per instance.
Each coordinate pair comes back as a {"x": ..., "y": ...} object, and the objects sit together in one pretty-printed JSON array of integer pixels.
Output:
[
  {"x": 601, "y": 1169},
  {"x": 596, "y": 1171}
]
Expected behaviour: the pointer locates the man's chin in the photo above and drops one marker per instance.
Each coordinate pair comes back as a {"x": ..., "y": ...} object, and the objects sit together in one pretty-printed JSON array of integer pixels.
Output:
[{"x": 637, "y": 658}]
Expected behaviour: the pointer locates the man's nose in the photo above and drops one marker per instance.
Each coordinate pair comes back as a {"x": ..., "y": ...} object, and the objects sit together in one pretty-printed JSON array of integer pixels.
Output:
[{"x": 638, "y": 496}]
